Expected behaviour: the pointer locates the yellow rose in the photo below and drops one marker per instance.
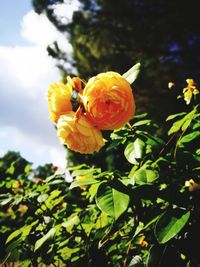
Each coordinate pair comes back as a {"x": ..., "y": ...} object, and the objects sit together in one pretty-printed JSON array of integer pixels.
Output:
[
  {"x": 59, "y": 99},
  {"x": 108, "y": 101},
  {"x": 75, "y": 131}
]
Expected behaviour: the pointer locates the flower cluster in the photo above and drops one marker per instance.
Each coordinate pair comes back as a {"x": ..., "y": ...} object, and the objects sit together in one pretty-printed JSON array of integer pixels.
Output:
[{"x": 81, "y": 110}]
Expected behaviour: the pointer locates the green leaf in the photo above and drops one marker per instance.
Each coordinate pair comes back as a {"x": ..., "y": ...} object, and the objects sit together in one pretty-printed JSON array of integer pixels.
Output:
[
  {"x": 24, "y": 231},
  {"x": 26, "y": 263},
  {"x": 14, "y": 234},
  {"x": 186, "y": 124},
  {"x": 170, "y": 224},
  {"x": 196, "y": 157},
  {"x": 66, "y": 252},
  {"x": 189, "y": 137},
  {"x": 183, "y": 123},
  {"x": 115, "y": 143},
  {"x": 5, "y": 201},
  {"x": 143, "y": 122},
  {"x": 134, "y": 151},
  {"x": 83, "y": 172},
  {"x": 171, "y": 117},
  {"x": 86, "y": 180},
  {"x": 71, "y": 222},
  {"x": 42, "y": 198},
  {"x": 132, "y": 73},
  {"x": 111, "y": 201},
  {"x": 145, "y": 176},
  {"x": 56, "y": 181},
  {"x": 48, "y": 236},
  {"x": 176, "y": 127}
]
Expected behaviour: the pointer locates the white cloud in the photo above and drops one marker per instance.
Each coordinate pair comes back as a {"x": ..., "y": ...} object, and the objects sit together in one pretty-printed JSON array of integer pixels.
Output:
[
  {"x": 25, "y": 74},
  {"x": 39, "y": 31},
  {"x": 65, "y": 10}
]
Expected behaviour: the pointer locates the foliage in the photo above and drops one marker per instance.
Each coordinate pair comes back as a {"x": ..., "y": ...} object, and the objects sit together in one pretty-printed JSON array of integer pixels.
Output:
[{"x": 147, "y": 215}]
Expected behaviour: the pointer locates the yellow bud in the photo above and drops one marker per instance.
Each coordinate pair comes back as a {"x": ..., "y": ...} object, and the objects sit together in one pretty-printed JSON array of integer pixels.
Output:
[{"x": 171, "y": 85}]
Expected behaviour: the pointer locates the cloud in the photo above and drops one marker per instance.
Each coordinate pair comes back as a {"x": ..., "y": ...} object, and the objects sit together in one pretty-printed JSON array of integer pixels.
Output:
[
  {"x": 25, "y": 74},
  {"x": 65, "y": 10}
]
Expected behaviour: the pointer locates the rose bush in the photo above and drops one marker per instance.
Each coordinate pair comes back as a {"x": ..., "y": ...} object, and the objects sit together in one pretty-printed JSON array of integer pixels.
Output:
[{"x": 147, "y": 216}]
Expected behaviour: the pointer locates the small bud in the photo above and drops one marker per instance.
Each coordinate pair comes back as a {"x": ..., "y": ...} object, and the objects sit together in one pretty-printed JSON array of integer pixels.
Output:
[{"x": 171, "y": 85}]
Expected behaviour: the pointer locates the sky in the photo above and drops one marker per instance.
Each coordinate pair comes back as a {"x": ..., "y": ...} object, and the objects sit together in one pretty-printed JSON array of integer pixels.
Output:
[{"x": 25, "y": 74}]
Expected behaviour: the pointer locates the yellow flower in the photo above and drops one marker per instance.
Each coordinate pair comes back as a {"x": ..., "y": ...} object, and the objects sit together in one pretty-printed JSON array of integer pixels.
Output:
[
  {"x": 192, "y": 186},
  {"x": 108, "y": 101},
  {"x": 75, "y": 131},
  {"x": 59, "y": 99},
  {"x": 190, "y": 90},
  {"x": 16, "y": 184},
  {"x": 22, "y": 209}
]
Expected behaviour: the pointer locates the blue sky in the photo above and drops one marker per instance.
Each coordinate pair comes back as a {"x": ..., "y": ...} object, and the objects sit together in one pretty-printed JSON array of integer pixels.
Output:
[
  {"x": 11, "y": 13},
  {"x": 25, "y": 74}
]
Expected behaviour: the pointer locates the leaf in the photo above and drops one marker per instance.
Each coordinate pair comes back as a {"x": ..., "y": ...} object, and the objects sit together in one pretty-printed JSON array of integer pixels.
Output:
[
  {"x": 134, "y": 151},
  {"x": 189, "y": 137},
  {"x": 71, "y": 222},
  {"x": 132, "y": 73},
  {"x": 48, "y": 236},
  {"x": 115, "y": 143},
  {"x": 186, "y": 124},
  {"x": 56, "y": 181},
  {"x": 66, "y": 252},
  {"x": 82, "y": 172},
  {"x": 26, "y": 263},
  {"x": 87, "y": 180},
  {"x": 5, "y": 201},
  {"x": 14, "y": 234},
  {"x": 14, "y": 256},
  {"x": 170, "y": 224},
  {"x": 150, "y": 139},
  {"x": 42, "y": 198},
  {"x": 176, "y": 126},
  {"x": 143, "y": 122},
  {"x": 171, "y": 117},
  {"x": 24, "y": 231},
  {"x": 136, "y": 262},
  {"x": 145, "y": 176},
  {"x": 156, "y": 256},
  {"x": 183, "y": 123},
  {"x": 111, "y": 201}
]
